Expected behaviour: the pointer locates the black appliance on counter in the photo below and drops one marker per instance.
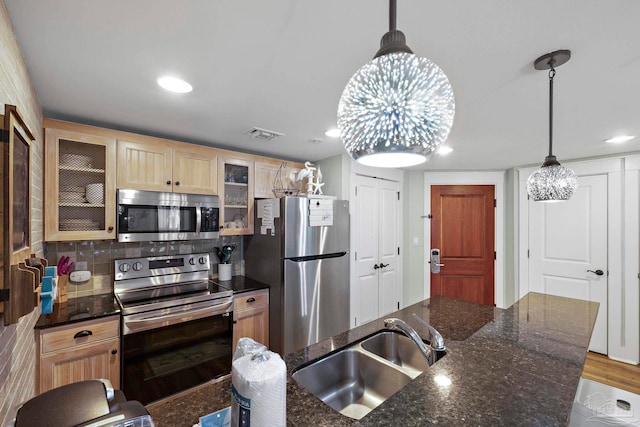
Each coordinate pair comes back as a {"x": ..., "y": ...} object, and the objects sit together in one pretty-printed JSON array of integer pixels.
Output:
[
  {"x": 85, "y": 403},
  {"x": 176, "y": 325}
]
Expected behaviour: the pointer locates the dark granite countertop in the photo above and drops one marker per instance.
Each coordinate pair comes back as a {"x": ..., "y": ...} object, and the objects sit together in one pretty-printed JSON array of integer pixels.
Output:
[
  {"x": 78, "y": 310},
  {"x": 514, "y": 367},
  {"x": 239, "y": 284}
]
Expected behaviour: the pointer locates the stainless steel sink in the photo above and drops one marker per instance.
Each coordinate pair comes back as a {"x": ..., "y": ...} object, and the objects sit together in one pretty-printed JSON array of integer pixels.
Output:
[
  {"x": 356, "y": 379},
  {"x": 397, "y": 349}
]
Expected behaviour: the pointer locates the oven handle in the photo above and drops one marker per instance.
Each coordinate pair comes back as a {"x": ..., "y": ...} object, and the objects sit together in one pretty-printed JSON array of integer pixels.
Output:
[{"x": 139, "y": 325}]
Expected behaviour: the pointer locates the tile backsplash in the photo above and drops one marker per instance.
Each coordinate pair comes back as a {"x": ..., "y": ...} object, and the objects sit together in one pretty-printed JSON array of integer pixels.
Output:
[{"x": 99, "y": 256}]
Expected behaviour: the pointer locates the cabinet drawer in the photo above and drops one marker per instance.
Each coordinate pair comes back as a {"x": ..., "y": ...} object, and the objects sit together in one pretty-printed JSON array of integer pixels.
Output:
[
  {"x": 78, "y": 334},
  {"x": 250, "y": 300}
]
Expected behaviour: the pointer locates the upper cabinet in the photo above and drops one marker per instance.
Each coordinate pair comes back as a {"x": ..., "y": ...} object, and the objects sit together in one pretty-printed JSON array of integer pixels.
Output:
[
  {"x": 235, "y": 177},
  {"x": 276, "y": 176},
  {"x": 184, "y": 168},
  {"x": 80, "y": 186}
]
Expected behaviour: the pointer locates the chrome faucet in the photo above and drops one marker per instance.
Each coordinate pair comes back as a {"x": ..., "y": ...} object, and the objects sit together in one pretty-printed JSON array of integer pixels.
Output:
[
  {"x": 397, "y": 324},
  {"x": 436, "y": 340}
]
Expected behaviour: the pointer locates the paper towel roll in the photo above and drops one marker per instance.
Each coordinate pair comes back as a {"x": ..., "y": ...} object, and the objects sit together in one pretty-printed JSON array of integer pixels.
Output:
[{"x": 259, "y": 390}]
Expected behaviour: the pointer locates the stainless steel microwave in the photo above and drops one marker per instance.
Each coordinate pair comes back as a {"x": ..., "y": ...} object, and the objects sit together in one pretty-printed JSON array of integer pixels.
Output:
[{"x": 155, "y": 216}]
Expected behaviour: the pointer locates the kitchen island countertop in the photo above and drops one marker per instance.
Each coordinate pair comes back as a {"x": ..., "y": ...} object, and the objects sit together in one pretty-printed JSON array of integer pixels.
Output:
[{"x": 514, "y": 367}]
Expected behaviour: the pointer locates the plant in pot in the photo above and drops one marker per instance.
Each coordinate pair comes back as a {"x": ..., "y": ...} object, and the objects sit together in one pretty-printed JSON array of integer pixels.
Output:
[{"x": 224, "y": 267}]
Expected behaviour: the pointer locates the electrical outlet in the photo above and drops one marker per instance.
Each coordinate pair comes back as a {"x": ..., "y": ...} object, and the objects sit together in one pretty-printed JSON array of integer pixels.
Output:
[
  {"x": 416, "y": 241},
  {"x": 80, "y": 266}
]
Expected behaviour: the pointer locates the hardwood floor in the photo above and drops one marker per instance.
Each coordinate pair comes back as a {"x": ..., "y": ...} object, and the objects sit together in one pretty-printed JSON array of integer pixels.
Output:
[{"x": 616, "y": 374}]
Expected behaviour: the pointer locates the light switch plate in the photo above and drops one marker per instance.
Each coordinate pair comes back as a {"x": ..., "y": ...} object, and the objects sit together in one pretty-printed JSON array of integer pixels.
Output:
[{"x": 416, "y": 241}]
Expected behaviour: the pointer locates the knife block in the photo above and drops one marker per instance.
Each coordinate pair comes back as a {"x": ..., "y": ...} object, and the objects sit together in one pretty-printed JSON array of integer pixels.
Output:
[{"x": 62, "y": 288}]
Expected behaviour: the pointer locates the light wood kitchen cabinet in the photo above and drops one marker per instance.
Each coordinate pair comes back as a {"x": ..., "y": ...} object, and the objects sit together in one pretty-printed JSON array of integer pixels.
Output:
[
  {"x": 277, "y": 175},
  {"x": 235, "y": 178},
  {"x": 79, "y": 351},
  {"x": 79, "y": 185},
  {"x": 154, "y": 166},
  {"x": 251, "y": 316}
]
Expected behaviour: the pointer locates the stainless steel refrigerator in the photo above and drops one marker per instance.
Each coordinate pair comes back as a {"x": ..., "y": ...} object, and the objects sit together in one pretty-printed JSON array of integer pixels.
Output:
[{"x": 300, "y": 248}]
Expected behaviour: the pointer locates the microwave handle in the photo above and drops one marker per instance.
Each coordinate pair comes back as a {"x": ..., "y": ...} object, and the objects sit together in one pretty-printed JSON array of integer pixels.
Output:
[{"x": 198, "y": 218}]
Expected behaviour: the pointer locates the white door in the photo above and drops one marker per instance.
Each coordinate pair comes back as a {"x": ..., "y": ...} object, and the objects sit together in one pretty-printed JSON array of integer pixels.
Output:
[
  {"x": 568, "y": 245},
  {"x": 375, "y": 288}
]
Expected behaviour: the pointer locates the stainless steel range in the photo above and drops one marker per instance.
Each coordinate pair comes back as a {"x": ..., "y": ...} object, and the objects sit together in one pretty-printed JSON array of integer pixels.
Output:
[{"x": 176, "y": 325}]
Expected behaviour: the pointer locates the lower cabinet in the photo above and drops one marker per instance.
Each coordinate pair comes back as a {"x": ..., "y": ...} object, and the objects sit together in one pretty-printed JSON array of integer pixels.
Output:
[
  {"x": 251, "y": 316},
  {"x": 79, "y": 351}
]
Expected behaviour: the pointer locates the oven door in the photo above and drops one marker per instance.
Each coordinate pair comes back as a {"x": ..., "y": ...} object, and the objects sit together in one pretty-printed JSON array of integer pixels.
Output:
[{"x": 159, "y": 362}]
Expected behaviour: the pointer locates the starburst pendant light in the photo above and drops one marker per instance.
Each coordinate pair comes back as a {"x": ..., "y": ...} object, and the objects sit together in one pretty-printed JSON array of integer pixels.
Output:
[
  {"x": 398, "y": 108},
  {"x": 552, "y": 182}
]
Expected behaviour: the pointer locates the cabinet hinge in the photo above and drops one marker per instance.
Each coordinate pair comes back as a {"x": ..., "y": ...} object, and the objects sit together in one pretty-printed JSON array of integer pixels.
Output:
[{"x": 4, "y": 294}]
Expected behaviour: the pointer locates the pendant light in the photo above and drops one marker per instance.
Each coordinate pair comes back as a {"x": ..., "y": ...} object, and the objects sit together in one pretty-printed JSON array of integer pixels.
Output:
[
  {"x": 552, "y": 182},
  {"x": 398, "y": 108}
]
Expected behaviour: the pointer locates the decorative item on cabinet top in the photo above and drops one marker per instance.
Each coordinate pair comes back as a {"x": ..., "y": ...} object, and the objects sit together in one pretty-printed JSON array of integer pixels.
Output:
[{"x": 284, "y": 186}]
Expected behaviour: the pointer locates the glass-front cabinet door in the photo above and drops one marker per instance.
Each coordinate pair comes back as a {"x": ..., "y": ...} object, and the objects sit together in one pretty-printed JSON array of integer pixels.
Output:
[
  {"x": 80, "y": 186},
  {"x": 236, "y": 196}
]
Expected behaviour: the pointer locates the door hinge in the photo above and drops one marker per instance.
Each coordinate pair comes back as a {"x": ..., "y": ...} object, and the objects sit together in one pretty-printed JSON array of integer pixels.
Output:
[
  {"x": 495, "y": 203},
  {"x": 494, "y": 255},
  {"x": 4, "y": 294},
  {"x": 397, "y": 192},
  {"x": 356, "y": 255},
  {"x": 398, "y": 305},
  {"x": 398, "y": 250},
  {"x": 356, "y": 190},
  {"x": 527, "y": 253}
]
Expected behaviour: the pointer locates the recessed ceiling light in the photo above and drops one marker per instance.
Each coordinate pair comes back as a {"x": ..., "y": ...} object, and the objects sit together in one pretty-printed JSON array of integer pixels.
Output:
[
  {"x": 174, "y": 84},
  {"x": 333, "y": 133},
  {"x": 619, "y": 139},
  {"x": 444, "y": 150}
]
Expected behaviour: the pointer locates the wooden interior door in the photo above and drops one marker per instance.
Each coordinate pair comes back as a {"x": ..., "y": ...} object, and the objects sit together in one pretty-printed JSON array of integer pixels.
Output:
[{"x": 462, "y": 227}]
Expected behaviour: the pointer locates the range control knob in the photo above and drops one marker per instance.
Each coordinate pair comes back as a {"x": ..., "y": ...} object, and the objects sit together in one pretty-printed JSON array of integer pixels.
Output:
[
  {"x": 192, "y": 261},
  {"x": 124, "y": 267},
  {"x": 202, "y": 260},
  {"x": 137, "y": 266}
]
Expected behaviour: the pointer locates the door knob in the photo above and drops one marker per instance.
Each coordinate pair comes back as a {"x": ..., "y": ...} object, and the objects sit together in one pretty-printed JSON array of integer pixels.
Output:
[
  {"x": 376, "y": 266},
  {"x": 597, "y": 272},
  {"x": 383, "y": 265}
]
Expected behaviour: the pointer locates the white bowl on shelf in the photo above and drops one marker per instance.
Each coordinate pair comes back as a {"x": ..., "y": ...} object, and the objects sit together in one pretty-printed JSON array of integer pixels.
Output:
[
  {"x": 75, "y": 160},
  {"x": 95, "y": 193}
]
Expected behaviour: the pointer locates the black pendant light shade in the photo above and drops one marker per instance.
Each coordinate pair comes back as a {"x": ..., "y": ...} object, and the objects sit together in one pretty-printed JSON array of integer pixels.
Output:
[{"x": 552, "y": 182}]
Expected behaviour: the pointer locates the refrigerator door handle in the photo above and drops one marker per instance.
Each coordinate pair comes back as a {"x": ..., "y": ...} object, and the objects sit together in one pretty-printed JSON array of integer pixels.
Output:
[{"x": 315, "y": 257}]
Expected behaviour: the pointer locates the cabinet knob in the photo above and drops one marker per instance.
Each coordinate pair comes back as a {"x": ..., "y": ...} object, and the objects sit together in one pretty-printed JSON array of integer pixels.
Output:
[
  {"x": 177, "y": 182},
  {"x": 168, "y": 182},
  {"x": 252, "y": 299},
  {"x": 82, "y": 334},
  {"x": 235, "y": 321},
  {"x": 114, "y": 351},
  {"x": 110, "y": 229}
]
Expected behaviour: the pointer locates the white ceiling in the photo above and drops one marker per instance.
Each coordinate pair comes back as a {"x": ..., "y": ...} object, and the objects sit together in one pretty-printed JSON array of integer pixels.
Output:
[{"x": 282, "y": 65}]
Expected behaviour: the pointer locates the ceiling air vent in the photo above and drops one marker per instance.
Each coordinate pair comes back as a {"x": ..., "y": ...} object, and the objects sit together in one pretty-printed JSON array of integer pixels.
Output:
[{"x": 263, "y": 134}]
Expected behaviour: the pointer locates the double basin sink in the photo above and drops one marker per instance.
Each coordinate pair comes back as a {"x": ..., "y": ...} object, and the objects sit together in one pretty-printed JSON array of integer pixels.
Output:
[{"x": 356, "y": 379}]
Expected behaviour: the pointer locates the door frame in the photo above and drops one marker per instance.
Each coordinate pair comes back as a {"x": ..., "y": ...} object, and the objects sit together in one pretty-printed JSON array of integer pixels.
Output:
[
  {"x": 622, "y": 289},
  {"x": 497, "y": 179}
]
